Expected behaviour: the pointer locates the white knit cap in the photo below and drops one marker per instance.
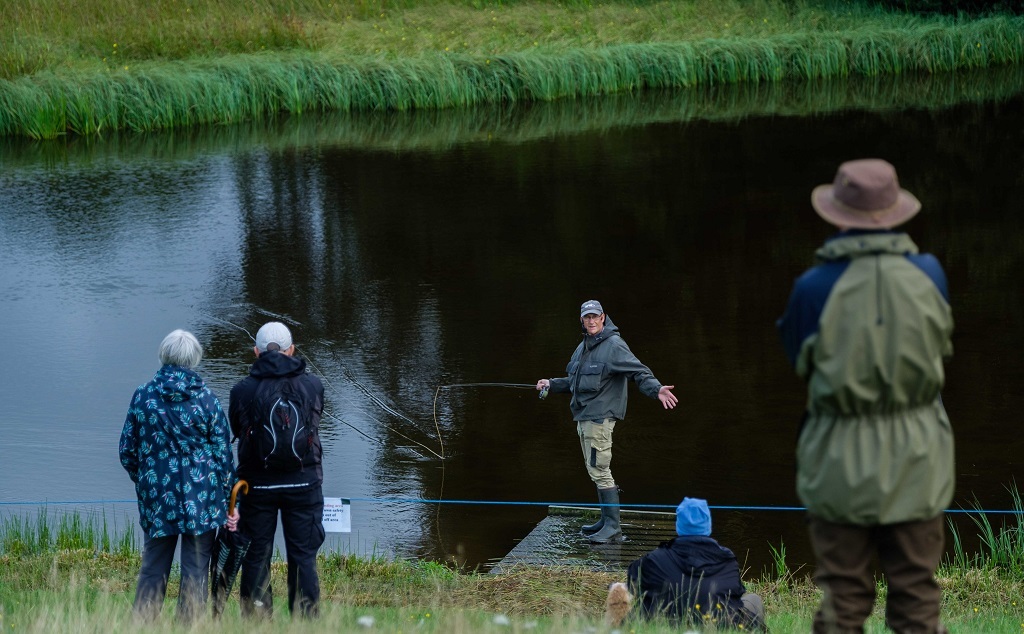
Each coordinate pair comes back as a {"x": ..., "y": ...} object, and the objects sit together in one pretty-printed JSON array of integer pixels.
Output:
[{"x": 273, "y": 332}]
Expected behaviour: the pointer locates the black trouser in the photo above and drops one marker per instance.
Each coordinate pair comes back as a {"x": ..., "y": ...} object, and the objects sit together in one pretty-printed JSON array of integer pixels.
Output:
[
  {"x": 157, "y": 556},
  {"x": 302, "y": 523}
]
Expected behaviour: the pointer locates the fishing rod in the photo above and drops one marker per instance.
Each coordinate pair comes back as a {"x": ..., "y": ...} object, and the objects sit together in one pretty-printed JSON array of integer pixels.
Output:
[
  {"x": 513, "y": 385},
  {"x": 518, "y": 386}
]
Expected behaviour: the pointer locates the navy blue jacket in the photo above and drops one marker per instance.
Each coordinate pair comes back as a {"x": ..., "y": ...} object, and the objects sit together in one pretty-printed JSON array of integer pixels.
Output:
[{"x": 690, "y": 579}]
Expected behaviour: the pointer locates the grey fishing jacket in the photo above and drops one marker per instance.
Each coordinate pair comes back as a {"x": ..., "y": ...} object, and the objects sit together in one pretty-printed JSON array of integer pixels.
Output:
[
  {"x": 598, "y": 373},
  {"x": 869, "y": 329}
]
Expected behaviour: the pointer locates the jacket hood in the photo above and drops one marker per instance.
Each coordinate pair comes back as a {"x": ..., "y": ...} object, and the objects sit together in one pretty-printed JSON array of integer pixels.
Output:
[
  {"x": 176, "y": 384},
  {"x": 609, "y": 330},
  {"x": 700, "y": 552},
  {"x": 276, "y": 364},
  {"x": 854, "y": 243}
]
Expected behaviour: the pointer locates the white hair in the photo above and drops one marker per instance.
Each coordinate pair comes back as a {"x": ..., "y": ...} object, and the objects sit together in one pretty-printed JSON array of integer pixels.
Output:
[{"x": 181, "y": 348}]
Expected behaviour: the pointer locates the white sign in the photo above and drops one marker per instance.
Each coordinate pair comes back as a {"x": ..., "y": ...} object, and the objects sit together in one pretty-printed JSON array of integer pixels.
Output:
[{"x": 337, "y": 515}]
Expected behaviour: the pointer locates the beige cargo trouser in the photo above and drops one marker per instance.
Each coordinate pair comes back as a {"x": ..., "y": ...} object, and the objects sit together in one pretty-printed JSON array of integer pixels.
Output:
[{"x": 596, "y": 443}]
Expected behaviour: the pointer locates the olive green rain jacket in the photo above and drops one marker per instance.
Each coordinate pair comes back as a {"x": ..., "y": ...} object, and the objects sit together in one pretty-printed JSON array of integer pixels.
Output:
[{"x": 868, "y": 329}]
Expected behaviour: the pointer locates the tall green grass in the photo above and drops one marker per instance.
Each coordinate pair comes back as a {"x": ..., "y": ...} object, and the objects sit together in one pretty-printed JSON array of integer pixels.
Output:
[
  {"x": 55, "y": 576},
  {"x": 989, "y": 582},
  {"x": 442, "y": 129},
  {"x": 21, "y": 536},
  {"x": 150, "y": 92},
  {"x": 1002, "y": 548}
]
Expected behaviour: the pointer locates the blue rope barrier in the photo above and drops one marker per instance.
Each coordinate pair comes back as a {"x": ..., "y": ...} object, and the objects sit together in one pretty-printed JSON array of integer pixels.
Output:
[
  {"x": 66, "y": 502},
  {"x": 514, "y": 503}
]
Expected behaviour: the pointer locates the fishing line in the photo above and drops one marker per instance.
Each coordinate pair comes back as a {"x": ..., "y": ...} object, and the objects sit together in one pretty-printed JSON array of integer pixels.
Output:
[
  {"x": 275, "y": 316},
  {"x": 435, "y": 417},
  {"x": 323, "y": 376},
  {"x": 380, "y": 442},
  {"x": 370, "y": 395},
  {"x": 440, "y": 387},
  {"x": 374, "y": 399},
  {"x": 225, "y": 321}
]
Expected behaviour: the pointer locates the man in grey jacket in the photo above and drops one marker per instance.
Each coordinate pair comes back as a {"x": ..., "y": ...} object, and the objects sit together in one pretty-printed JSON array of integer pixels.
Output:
[{"x": 598, "y": 375}]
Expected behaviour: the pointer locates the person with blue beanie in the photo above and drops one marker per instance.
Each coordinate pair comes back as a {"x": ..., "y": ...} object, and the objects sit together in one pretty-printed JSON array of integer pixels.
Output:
[
  {"x": 693, "y": 517},
  {"x": 691, "y": 579}
]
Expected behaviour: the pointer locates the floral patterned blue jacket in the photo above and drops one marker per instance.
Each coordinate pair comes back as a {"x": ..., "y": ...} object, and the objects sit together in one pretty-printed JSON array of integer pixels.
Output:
[{"x": 176, "y": 446}]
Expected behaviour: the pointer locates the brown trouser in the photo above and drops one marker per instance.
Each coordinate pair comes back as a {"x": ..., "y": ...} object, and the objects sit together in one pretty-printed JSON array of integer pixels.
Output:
[{"x": 908, "y": 554}]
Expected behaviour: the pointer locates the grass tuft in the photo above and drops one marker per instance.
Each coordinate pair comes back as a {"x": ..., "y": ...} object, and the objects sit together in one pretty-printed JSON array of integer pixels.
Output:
[{"x": 1001, "y": 549}]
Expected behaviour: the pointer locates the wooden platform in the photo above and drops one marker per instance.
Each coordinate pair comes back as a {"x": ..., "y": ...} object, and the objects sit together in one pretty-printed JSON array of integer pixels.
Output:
[{"x": 556, "y": 540}]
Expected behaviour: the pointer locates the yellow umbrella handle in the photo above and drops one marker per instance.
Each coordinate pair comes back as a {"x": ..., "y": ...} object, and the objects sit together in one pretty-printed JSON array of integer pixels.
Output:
[{"x": 241, "y": 484}]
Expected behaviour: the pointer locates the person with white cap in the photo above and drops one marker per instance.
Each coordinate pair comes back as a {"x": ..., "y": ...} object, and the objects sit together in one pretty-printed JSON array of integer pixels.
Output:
[
  {"x": 598, "y": 375},
  {"x": 692, "y": 579},
  {"x": 868, "y": 328},
  {"x": 275, "y": 414}
]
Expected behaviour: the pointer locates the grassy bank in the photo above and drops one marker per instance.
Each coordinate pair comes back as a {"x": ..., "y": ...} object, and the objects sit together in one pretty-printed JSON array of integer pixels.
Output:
[
  {"x": 80, "y": 590},
  {"x": 73, "y": 575},
  {"x": 129, "y": 64}
]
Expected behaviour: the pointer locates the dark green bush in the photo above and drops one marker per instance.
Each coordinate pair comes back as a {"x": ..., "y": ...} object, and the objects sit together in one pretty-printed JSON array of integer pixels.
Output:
[{"x": 953, "y": 7}]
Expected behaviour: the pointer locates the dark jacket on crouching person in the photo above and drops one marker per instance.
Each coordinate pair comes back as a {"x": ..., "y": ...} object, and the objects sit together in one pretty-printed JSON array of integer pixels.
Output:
[
  {"x": 691, "y": 579},
  {"x": 295, "y": 492}
]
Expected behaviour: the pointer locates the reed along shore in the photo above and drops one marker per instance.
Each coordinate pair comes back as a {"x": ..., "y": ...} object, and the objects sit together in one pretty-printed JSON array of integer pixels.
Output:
[{"x": 101, "y": 65}]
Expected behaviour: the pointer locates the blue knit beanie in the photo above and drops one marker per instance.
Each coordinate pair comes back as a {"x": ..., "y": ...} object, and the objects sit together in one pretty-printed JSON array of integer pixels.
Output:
[{"x": 693, "y": 517}]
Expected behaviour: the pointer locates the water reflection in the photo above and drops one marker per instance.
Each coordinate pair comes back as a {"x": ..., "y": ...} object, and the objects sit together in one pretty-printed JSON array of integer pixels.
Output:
[{"x": 417, "y": 251}]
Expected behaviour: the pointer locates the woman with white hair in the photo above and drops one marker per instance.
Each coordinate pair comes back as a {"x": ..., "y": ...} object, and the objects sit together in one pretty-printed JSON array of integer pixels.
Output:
[{"x": 176, "y": 447}]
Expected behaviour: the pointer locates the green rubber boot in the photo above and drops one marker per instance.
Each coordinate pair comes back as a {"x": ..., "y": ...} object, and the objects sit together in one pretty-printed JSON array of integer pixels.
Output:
[
  {"x": 611, "y": 531},
  {"x": 590, "y": 529}
]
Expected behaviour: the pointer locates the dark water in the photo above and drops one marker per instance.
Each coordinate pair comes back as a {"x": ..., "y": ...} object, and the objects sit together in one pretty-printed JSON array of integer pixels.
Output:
[{"x": 415, "y": 252}]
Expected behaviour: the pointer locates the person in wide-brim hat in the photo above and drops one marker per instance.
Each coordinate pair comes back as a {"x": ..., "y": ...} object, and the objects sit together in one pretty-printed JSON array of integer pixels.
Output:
[
  {"x": 868, "y": 328},
  {"x": 865, "y": 194}
]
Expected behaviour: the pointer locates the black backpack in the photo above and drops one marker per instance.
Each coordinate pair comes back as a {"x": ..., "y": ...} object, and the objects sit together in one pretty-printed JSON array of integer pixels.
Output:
[{"x": 282, "y": 431}]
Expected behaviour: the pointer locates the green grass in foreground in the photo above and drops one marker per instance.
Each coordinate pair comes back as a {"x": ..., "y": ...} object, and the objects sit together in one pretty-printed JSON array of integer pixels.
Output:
[
  {"x": 47, "y": 585},
  {"x": 84, "y": 591},
  {"x": 144, "y": 65}
]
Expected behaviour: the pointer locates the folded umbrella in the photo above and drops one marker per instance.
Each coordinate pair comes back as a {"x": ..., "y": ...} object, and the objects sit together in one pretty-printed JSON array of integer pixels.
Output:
[{"x": 228, "y": 552}]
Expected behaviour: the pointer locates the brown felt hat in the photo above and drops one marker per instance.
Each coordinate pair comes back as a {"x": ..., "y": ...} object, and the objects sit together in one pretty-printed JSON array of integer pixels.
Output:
[{"x": 865, "y": 195}]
